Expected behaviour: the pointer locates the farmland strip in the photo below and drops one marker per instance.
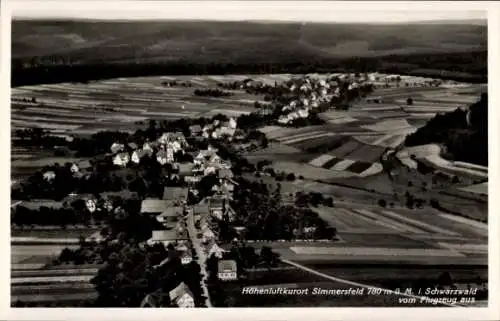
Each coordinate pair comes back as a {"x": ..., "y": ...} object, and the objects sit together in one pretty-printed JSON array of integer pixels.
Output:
[
  {"x": 396, "y": 225},
  {"x": 321, "y": 160},
  {"x": 332, "y": 162},
  {"x": 344, "y": 164},
  {"x": 420, "y": 224}
]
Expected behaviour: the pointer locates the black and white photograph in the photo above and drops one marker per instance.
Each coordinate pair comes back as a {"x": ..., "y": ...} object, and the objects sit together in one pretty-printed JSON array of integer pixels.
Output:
[{"x": 190, "y": 156}]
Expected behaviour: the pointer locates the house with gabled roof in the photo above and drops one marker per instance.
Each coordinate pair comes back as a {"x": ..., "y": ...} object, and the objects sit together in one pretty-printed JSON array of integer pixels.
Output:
[
  {"x": 182, "y": 296},
  {"x": 227, "y": 270},
  {"x": 121, "y": 159},
  {"x": 186, "y": 257},
  {"x": 154, "y": 206},
  {"x": 167, "y": 237},
  {"x": 137, "y": 155}
]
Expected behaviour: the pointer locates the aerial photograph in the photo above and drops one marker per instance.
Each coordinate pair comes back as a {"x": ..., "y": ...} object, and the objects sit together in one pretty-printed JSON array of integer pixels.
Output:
[{"x": 198, "y": 163}]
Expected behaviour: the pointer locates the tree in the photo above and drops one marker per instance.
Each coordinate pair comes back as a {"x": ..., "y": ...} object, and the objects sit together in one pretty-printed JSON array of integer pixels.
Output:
[
  {"x": 290, "y": 177},
  {"x": 382, "y": 203},
  {"x": 409, "y": 101}
]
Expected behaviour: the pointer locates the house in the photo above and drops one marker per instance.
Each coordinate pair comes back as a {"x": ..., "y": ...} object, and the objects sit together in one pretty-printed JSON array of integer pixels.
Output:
[
  {"x": 227, "y": 270},
  {"x": 154, "y": 206},
  {"x": 283, "y": 120},
  {"x": 137, "y": 155},
  {"x": 175, "y": 194},
  {"x": 216, "y": 203},
  {"x": 303, "y": 113},
  {"x": 209, "y": 170},
  {"x": 148, "y": 148},
  {"x": 182, "y": 296},
  {"x": 169, "y": 214},
  {"x": 121, "y": 159},
  {"x": 166, "y": 237},
  {"x": 74, "y": 168},
  {"x": 49, "y": 176},
  {"x": 186, "y": 258},
  {"x": 195, "y": 130},
  {"x": 192, "y": 179},
  {"x": 117, "y": 147},
  {"x": 232, "y": 123},
  {"x": 91, "y": 205}
]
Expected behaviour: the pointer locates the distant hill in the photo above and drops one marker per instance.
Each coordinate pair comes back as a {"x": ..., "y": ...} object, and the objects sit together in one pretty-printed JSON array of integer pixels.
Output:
[
  {"x": 83, "y": 41},
  {"x": 58, "y": 51}
]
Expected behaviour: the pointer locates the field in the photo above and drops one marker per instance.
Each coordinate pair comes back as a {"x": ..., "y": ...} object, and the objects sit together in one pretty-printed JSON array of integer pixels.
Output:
[
  {"x": 63, "y": 285},
  {"x": 116, "y": 104},
  {"x": 352, "y": 141}
]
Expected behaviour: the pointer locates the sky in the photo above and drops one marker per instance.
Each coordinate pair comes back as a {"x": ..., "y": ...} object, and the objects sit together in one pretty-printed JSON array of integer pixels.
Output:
[{"x": 298, "y": 11}]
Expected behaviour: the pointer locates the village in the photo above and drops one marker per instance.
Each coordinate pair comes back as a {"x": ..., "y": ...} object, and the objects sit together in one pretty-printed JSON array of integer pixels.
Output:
[{"x": 192, "y": 201}]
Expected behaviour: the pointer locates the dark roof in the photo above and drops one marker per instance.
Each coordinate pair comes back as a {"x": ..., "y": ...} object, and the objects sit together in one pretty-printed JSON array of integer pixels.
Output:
[
  {"x": 154, "y": 206},
  {"x": 179, "y": 291},
  {"x": 227, "y": 266},
  {"x": 164, "y": 235},
  {"x": 175, "y": 193},
  {"x": 171, "y": 211}
]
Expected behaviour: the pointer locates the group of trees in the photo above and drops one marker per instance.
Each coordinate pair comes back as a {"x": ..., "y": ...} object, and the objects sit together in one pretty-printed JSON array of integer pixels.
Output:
[
  {"x": 76, "y": 212},
  {"x": 463, "y": 133},
  {"x": 461, "y": 66},
  {"x": 212, "y": 93},
  {"x": 265, "y": 217},
  {"x": 315, "y": 199},
  {"x": 174, "y": 83},
  {"x": 131, "y": 272}
]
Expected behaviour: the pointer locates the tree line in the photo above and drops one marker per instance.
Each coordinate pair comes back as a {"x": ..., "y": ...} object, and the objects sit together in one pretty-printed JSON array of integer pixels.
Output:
[{"x": 464, "y": 66}]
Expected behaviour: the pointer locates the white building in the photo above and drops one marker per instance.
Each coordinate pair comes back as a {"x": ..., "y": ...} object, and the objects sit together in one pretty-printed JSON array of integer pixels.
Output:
[
  {"x": 182, "y": 296},
  {"x": 74, "y": 168},
  {"x": 227, "y": 270},
  {"x": 121, "y": 159},
  {"x": 49, "y": 176},
  {"x": 91, "y": 205},
  {"x": 148, "y": 148}
]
